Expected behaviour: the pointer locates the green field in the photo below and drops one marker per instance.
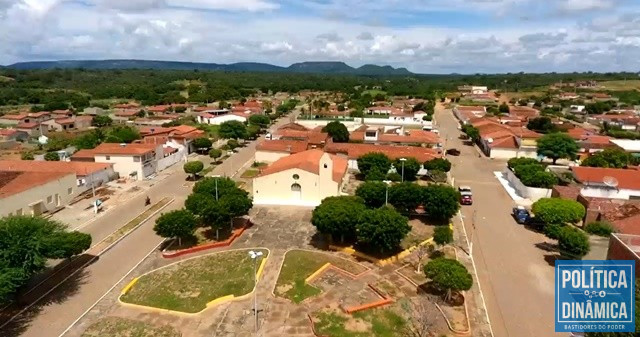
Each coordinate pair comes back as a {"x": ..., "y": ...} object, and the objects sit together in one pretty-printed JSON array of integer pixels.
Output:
[
  {"x": 188, "y": 286},
  {"x": 621, "y": 85}
]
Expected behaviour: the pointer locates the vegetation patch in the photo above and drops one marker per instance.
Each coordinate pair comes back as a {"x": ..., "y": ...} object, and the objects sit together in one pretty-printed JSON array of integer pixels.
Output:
[
  {"x": 300, "y": 264},
  {"x": 375, "y": 322},
  {"x": 188, "y": 286},
  {"x": 123, "y": 327},
  {"x": 250, "y": 173}
]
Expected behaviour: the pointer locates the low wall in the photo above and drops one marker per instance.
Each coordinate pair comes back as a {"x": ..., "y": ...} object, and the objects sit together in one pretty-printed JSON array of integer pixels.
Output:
[{"x": 532, "y": 193}]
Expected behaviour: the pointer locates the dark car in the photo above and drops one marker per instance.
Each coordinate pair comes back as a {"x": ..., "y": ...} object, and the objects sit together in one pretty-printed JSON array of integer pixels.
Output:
[
  {"x": 520, "y": 214},
  {"x": 453, "y": 152}
]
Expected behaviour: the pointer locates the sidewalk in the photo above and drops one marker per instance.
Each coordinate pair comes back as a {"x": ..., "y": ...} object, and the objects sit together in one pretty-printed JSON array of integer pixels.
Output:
[{"x": 512, "y": 191}]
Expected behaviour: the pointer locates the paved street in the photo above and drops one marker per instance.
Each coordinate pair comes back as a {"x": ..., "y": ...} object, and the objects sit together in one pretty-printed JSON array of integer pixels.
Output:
[
  {"x": 54, "y": 313},
  {"x": 515, "y": 275}
]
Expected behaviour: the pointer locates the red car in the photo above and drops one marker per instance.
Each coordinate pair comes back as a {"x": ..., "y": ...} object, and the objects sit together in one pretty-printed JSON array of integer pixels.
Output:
[{"x": 465, "y": 195}]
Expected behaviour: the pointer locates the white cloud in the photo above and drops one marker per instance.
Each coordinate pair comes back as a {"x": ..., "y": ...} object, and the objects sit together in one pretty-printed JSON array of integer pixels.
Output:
[{"x": 585, "y": 5}]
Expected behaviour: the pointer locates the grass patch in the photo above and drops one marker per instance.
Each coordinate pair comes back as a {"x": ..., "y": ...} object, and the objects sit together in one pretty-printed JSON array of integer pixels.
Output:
[
  {"x": 250, "y": 173},
  {"x": 188, "y": 286},
  {"x": 375, "y": 322},
  {"x": 136, "y": 221},
  {"x": 298, "y": 265},
  {"x": 374, "y": 92},
  {"x": 211, "y": 130},
  {"x": 621, "y": 85},
  {"x": 123, "y": 327},
  {"x": 207, "y": 170}
]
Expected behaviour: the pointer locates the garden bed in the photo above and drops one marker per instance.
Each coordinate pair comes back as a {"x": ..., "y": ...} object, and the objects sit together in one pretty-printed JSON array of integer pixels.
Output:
[
  {"x": 205, "y": 238},
  {"x": 124, "y": 327},
  {"x": 298, "y": 265},
  {"x": 189, "y": 285},
  {"x": 375, "y": 322}
]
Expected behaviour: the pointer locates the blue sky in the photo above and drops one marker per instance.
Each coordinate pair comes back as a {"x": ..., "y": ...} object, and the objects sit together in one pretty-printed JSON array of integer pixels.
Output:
[{"x": 426, "y": 36}]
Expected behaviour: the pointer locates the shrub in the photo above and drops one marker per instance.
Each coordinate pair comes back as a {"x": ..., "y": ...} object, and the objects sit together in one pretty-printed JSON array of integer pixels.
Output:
[
  {"x": 394, "y": 176},
  {"x": 534, "y": 175},
  {"x": 232, "y": 144},
  {"x": 438, "y": 176},
  {"x": 443, "y": 235},
  {"x": 26, "y": 156},
  {"x": 51, "y": 156},
  {"x": 374, "y": 161},
  {"x": 215, "y": 153},
  {"x": 573, "y": 242},
  {"x": 552, "y": 230},
  {"x": 513, "y": 162},
  {"x": 438, "y": 164},
  {"x": 375, "y": 175},
  {"x": 448, "y": 275},
  {"x": 599, "y": 228}
]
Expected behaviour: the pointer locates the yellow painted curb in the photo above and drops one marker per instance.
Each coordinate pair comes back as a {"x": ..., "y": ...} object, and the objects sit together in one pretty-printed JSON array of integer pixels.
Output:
[
  {"x": 126, "y": 289},
  {"x": 158, "y": 310},
  {"x": 261, "y": 268},
  {"x": 317, "y": 272},
  {"x": 383, "y": 262},
  {"x": 220, "y": 300}
]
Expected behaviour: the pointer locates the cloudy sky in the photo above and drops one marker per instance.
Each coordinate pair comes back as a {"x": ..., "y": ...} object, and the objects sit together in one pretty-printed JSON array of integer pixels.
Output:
[{"x": 426, "y": 36}]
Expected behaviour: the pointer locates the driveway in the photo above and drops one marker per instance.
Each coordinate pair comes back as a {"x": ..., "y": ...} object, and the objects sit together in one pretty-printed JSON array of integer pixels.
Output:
[{"x": 516, "y": 279}]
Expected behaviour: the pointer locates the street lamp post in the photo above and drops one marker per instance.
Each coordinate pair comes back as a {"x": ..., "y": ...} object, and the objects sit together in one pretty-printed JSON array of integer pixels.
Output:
[
  {"x": 402, "y": 160},
  {"x": 255, "y": 256},
  {"x": 386, "y": 195},
  {"x": 216, "y": 177}
]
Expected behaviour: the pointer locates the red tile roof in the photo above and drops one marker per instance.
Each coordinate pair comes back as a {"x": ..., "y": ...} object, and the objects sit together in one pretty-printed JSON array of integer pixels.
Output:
[
  {"x": 308, "y": 161},
  {"x": 283, "y": 145},
  {"x": 39, "y": 114},
  {"x": 355, "y": 151},
  {"x": 126, "y": 149},
  {"x": 627, "y": 179},
  {"x": 7, "y": 132},
  {"x": 30, "y": 125},
  {"x": 83, "y": 154},
  {"x": 79, "y": 168},
  {"x": 14, "y": 117},
  {"x": 14, "y": 182}
]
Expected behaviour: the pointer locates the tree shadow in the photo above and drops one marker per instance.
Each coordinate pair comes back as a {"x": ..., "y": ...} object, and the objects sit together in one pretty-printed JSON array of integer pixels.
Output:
[
  {"x": 16, "y": 318},
  {"x": 551, "y": 259},
  {"x": 547, "y": 247}
]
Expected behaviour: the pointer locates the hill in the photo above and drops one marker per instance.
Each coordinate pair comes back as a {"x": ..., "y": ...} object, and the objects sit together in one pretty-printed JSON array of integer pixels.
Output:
[{"x": 302, "y": 67}]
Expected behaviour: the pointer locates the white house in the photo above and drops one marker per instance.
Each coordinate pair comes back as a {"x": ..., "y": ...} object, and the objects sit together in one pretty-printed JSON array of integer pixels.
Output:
[
  {"x": 136, "y": 161},
  {"x": 217, "y": 117},
  {"x": 301, "y": 179}
]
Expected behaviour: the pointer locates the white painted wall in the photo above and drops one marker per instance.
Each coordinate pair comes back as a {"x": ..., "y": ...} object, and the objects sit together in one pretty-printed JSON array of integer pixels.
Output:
[
  {"x": 96, "y": 179},
  {"x": 612, "y": 193},
  {"x": 531, "y": 193},
  {"x": 46, "y": 197},
  {"x": 269, "y": 156},
  {"x": 498, "y": 153},
  {"x": 180, "y": 156},
  {"x": 221, "y": 119}
]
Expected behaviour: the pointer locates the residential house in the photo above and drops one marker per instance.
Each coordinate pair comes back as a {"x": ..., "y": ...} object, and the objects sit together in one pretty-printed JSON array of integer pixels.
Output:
[
  {"x": 35, "y": 193},
  {"x": 314, "y": 137},
  {"x": 135, "y": 160},
  {"x": 32, "y": 129},
  {"x": 624, "y": 122},
  {"x": 269, "y": 151},
  {"x": 219, "y": 116},
  {"x": 628, "y": 145},
  {"x": 94, "y": 111},
  {"x": 39, "y": 117},
  {"x": 590, "y": 141},
  {"x": 13, "y": 135},
  {"x": 14, "y": 119},
  {"x": 598, "y": 182},
  {"x": 181, "y": 134},
  {"x": 300, "y": 179},
  {"x": 394, "y": 135},
  {"x": 505, "y": 142},
  {"x": 473, "y": 89},
  {"x": 465, "y": 113},
  {"x": 567, "y": 96},
  {"x": 624, "y": 215},
  {"x": 353, "y": 151},
  {"x": 577, "y": 109},
  {"x": 68, "y": 124},
  {"x": 601, "y": 97},
  {"x": 88, "y": 174}
]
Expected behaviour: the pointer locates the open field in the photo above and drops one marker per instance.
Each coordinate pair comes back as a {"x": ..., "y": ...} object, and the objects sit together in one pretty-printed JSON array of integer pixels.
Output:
[
  {"x": 621, "y": 85},
  {"x": 189, "y": 285}
]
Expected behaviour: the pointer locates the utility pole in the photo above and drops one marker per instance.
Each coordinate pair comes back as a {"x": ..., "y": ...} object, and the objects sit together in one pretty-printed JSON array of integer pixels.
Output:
[
  {"x": 255, "y": 256},
  {"x": 402, "y": 160},
  {"x": 386, "y": 195}
]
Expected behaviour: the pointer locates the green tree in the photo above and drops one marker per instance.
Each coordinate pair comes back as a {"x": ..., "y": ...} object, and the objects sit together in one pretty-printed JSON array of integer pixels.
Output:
[
  {"x": 611, "y": 158},
  {"x": 375, "y": 175},
  {"x": 374, "y": 161},
  {"x": 373, "y": 193},
  {"x": 558, "y": 211},
  {"x": 439, "y": 164},
  {"x": 123, "y": 134},
  {"x": 443, "y": 235},
  {"x": 26, "y": 243},
  {"x": 51, "y": 156},
  {"x": 87, "y": 141},
  {"x": 101, "y": 121},
  {"x": 253, "y": 131},
  {"x": 202, "y": 143},
  {"x": 541, "y": 124},
  {"x": 381, "y": 229},
  {"x": 233, "y": 130},
  {"x": 261, "y": 121},
  {"x": 337, "y": 131},
  {"x": 193, "y": 168},
  {"x": 556, "y": 146},
  {"x": 411, "y": 168},
  {"x": 176, "y": 224},
  {"x": 471, "y": 132},
  {"x": 215, "y": 215},
  {"x": 572, "y": 242},
  {"x": 338, "y": 216},
  {"x": 196, "y": 202},
  {"x": 503, "y": 108},
  {"x": 515, "y": 162},
  {"x": 215, "y": 154},
  {"x": 209, "y": 185},
  {"x": 440, "y": 201},
  {"x": 448, "y": 276},
  {"x": 405, "y": 197},
  {"x": 232, "y": 144},
  {"x": 26, "y": 156}
]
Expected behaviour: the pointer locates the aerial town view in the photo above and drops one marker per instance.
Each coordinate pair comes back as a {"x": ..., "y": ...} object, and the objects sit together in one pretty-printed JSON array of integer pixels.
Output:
[{"x": 319, "y": 168}]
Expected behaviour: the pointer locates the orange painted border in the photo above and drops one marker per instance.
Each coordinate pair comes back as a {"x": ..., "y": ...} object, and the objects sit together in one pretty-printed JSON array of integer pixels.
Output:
[
  {"x": 234, "y": 235},
  {"x": 384, "y": 301}
]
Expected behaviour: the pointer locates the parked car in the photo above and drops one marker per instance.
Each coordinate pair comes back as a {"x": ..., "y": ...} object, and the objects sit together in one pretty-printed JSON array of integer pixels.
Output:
[
  {"x": 521, "y": 215},
  {"x": 465, "y": 195},
  {"x": 453, "y": 152}
]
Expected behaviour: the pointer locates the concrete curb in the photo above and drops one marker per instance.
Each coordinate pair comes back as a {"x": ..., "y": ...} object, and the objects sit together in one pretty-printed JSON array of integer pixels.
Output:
[
  {"x": 381, "y": 262},
  {"x": 236, "y": 234},
  {"x": 210, "y": 304}
]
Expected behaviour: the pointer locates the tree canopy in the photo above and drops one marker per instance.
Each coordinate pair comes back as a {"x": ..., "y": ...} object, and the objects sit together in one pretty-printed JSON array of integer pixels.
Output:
[
  {"x": 411, "y": 168},
  {"x": 233, "y": 130},
  {"x": 611, "y": 158},
  {"x": 405, "y": 197},
  {"x": 193, "y": 167},
  {"x": 176, "y": 224},
  {"x": 51, "y": 156},
  {"x": 202, "y": 143},
  {"x": 27, "y": 242},
  {"x": 558, "y": 211},
  {"x": 374, "y": 162},
  {"x": 438, "y": 164},
  {"x": 440, "y": 201},
  {"x": 261, "y": 121},
  {"x": 101, "y": 121},
  {"x": 338, "y": 216},
  {"x": 381, "y": 229},
  {"x": 337, "y": 131},
  {"x": 373, "y": 193},
  {"x": 573, "y": 242},
  {"x": 448, "y": 275},
  {"x": 556, "y": 146},
  {"x": 443, "y": 235},
  {"x": 541, "y": 124}
]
